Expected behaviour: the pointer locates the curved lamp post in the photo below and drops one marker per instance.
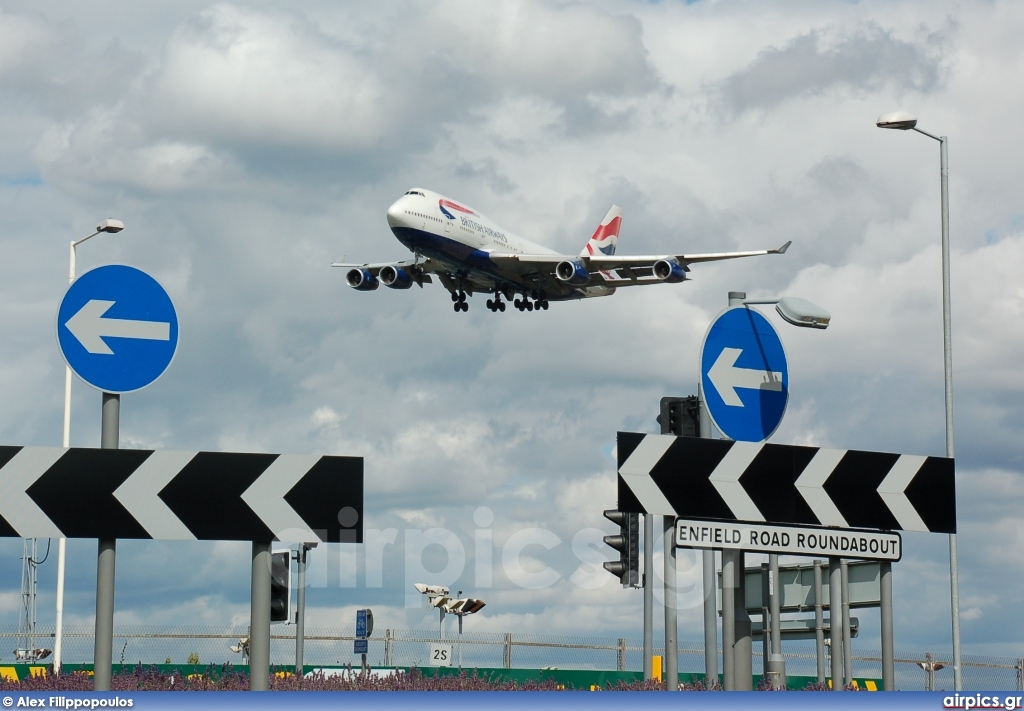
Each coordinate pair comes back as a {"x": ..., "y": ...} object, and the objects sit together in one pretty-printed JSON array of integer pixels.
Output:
[
  {"x": 904, "y": 121},
  {"x": 112, "y": 226}
]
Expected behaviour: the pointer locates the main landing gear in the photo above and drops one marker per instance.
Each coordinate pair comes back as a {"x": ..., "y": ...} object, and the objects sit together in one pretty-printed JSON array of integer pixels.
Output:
[
  {"x": 538, "y": 303},
  {"x": 534, "y": 302},
  {"x": 460, "y": 301}
]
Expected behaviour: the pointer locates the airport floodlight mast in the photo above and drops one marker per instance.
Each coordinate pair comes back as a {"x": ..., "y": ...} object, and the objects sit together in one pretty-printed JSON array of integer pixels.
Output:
[
  {"x": 905, "y": 121},
  {"x": 462, "y": 607},
  {"x": 242, "y": 648},
  {"x": 111, "y": 226},
  {"x": 437, "y": 596}
]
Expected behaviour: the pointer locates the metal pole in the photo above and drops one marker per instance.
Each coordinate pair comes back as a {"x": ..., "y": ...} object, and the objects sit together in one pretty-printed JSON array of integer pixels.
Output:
[
  {"x": 847, "y": 642},
  {"x": 741, "y": 650},
  {"x": 947, "y": 370},
  {"x": 947, "y": 363},
  {"x": 710, "y": 584},
  {"x": 58, "y": 635},
  {"x": 835, "y": 615},
  {"x": 710, "y": 618},
  {"x": 300, "y": 613},
  {"x": 773, "y": 602},
  {"x": 776, "y": 662},
  {"x": 728, "y": 619},
  {"x": 744, "y": 661},
  {"x": 885, "y": 605},
  {"x": 259, "y": 618},
  {"x": 671, "y": 669},
  {"x": 103, "y": 648},
  {"x": 819, "y": 622},
  {"x": 648, "y": 595},
  {"x": 766, "y": 629}
]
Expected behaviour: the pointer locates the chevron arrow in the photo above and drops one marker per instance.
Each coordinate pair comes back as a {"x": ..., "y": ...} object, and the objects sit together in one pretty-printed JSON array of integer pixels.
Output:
[
  {"x": 810, "y": 486},
  {"x": 122, "y": 493}
]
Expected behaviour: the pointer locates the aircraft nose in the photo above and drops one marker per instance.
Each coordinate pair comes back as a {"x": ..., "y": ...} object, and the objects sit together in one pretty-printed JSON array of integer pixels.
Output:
[{"x": 395, "y": 213}]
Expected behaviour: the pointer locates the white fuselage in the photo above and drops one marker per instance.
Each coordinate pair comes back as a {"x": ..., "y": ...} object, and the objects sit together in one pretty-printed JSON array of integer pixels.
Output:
[{"x": 431, "y": 225}]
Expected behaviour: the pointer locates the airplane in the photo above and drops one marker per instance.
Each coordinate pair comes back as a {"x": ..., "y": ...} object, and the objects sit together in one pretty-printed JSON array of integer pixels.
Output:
[{"x": 470, "y": 254}]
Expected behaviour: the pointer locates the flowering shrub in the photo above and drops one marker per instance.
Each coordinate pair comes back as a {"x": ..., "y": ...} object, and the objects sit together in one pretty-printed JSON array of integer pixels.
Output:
[{"x": 225, "y": 678}]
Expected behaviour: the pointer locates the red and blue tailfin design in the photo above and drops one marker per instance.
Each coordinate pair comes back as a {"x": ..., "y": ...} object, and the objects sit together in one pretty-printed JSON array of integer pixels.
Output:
[{"x": 606, "y": 236}]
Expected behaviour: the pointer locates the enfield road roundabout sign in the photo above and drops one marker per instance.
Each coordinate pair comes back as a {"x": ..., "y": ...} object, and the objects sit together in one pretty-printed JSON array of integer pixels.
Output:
[
  {"x": 117, "y": 328},
  {"x": 744, "y": 375},
  {"x": 789, "y": 540}
]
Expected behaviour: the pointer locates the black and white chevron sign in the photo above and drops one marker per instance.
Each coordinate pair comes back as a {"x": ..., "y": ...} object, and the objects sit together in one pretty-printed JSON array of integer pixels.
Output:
[
  {"x": 54, "y": 492},
  {"x": 778, "y": 483}
]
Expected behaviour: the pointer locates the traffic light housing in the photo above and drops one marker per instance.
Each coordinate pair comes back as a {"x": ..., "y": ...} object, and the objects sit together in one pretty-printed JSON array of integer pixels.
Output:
[
  {"x": 680, "y": 416},
  {"x": 627, "y": 543},
  {"x": 280, "y": 586}
]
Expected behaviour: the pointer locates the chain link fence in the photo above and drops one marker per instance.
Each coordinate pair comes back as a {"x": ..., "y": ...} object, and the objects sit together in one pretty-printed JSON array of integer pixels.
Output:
[{"x": 407, "y": 648}]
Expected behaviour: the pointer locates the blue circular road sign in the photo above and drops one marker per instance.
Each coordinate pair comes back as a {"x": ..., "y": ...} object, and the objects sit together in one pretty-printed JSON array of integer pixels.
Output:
[
  {"x": 117, "y": 328},
  {"x": 744, "y": 375}
]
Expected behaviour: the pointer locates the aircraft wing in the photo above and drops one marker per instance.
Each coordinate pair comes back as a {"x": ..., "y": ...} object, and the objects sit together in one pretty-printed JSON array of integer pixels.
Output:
[
  {"x": 375, "y": 268},
  {"x": 618, "y": 270},
  {"x": 601, "y": 261}
]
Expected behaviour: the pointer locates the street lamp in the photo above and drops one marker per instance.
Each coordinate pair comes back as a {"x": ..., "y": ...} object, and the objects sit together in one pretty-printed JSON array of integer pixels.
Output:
[
  {"x": 799, "y": 312},
  {"x": 904, "y": 121},
  {"x": 112, "y": 226}
]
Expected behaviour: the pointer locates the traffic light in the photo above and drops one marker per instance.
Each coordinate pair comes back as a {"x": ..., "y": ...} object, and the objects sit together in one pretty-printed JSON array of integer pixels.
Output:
[
  {"x": 280, "y": 586},
  {"x": 627, "y": 543},
  {"x": 680, "y": 416}
]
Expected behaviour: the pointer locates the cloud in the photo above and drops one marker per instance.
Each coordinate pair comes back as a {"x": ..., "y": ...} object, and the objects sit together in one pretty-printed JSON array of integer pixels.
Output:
[{"x": 868, "y": 58}]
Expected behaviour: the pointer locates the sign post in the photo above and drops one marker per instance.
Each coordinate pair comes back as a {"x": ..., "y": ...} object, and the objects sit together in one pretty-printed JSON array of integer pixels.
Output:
[
  {"x": 790, "y": 500},
  {"x": 112, "y": 306},
  {"x": 364, "y": 628}
]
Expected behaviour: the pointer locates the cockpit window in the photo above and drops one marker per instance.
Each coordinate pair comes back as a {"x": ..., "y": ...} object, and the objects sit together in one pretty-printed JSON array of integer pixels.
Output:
[{"x": 415, "y": 192}]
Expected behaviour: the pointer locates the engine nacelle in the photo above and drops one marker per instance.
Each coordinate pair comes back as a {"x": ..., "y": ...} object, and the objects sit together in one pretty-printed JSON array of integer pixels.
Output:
[
  {"x": 361, "y": 279},
  {"x": 669, "y": 270},
  {"x": 572, "y": 272},
  {"x": 395, "y": 277}
]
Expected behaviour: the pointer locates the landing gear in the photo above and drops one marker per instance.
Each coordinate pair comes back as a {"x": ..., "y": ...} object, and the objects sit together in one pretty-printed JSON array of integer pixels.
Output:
[
  {"x": 496, "y": 304},
  {"x": 539, "y": 302},
  {"x": 460, "y": 301}
]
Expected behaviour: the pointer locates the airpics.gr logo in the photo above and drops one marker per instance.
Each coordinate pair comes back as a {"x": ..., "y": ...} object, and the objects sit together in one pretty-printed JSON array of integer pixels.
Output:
[{"x": 454, "y": 206}]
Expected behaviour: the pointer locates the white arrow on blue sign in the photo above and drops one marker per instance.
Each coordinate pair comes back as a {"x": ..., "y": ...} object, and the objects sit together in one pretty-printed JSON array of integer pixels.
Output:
[
  {"x": 744, "y": 375},
  {"x": 117, "y": 328}
]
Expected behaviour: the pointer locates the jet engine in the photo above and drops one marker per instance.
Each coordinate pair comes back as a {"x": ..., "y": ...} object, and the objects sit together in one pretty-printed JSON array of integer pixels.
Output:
[
  {"x": 572, "y": 272},
  {"x": 395, "y": 277},
  {"x": 669, "y": 270},
  {"x": 361, "y": 279}
]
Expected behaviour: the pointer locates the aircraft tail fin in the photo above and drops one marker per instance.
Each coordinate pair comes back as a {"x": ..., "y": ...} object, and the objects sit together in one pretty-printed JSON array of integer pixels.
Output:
[{"x": 606, "y": 236}]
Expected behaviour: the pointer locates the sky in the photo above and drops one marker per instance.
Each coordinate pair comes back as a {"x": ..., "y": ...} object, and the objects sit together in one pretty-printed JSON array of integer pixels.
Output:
[{"x": 246, "y": 146}]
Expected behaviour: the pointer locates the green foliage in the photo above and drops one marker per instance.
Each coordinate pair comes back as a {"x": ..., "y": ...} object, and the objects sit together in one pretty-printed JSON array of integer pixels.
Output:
[{"x": 193, "y": 658}]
